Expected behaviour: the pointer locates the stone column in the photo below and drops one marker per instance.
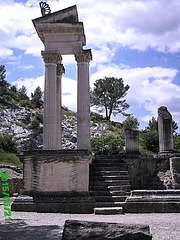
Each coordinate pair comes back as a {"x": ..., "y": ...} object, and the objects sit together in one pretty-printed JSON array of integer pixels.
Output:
[
  {"x": 50, "y": 127},
  {"x": 165, "y": 130},
  {"x": 83, "y": 58},
  {"x": 132, "y": 141},
  {"x": 60, "y": 71}
]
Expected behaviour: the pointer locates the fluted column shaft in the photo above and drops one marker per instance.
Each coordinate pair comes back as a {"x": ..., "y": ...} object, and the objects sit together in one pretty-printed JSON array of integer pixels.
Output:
[
  {"x": 51, "y": 129},
  {"x": 83, "y": 58},
  {"x": 60, "y": 71}
]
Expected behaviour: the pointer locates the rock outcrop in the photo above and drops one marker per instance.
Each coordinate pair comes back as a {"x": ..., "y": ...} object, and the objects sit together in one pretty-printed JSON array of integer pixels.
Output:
[{"x": 81, "y": 230}]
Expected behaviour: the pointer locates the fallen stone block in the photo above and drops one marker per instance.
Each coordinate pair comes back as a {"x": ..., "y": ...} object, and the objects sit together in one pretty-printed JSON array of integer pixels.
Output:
[
  {"x": 82, "y": 230},
  {"x": 108, "y": 210}
]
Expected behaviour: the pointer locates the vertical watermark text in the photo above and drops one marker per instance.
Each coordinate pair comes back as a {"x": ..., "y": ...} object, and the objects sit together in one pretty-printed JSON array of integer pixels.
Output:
[{"x": 6, "y": 197}]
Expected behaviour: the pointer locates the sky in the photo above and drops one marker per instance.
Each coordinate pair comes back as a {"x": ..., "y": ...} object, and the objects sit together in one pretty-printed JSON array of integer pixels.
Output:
[{"x": 137, "y": 40}]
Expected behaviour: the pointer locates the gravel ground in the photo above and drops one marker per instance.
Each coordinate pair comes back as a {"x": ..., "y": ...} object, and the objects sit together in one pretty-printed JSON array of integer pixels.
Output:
[{"x": 49, "y": 226}]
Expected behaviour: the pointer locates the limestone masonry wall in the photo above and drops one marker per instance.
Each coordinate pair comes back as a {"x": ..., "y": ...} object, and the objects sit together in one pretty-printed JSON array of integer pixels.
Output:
[{"x": 153, "y": 171}]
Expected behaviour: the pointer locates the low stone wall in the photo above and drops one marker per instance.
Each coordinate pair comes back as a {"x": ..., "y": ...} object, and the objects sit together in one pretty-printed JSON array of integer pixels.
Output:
[
  {"x": 15, "y": 179},
  {"x": 152, "y": 171}
]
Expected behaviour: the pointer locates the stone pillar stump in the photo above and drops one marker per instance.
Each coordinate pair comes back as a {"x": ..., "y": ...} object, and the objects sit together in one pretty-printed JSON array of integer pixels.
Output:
[{"x": 165, "y": 130}]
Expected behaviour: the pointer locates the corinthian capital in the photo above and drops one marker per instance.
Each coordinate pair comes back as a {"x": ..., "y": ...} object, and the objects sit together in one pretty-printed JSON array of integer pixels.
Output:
[
  {"x": 60, "y": 70},
  {"x": 51, "y": 57},
  {"x": 83, "y": 55}
]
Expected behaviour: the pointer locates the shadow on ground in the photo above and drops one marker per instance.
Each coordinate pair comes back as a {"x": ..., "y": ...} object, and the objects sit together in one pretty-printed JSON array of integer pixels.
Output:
[{"x": 19, "y": 230}]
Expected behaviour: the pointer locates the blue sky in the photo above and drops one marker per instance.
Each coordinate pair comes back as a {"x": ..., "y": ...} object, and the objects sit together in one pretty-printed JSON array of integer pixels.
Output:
[{"x": 138, "y": 40}]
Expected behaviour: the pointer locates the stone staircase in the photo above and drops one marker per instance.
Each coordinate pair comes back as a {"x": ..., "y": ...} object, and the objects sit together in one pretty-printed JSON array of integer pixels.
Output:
[{"x": 109, "y": 183}]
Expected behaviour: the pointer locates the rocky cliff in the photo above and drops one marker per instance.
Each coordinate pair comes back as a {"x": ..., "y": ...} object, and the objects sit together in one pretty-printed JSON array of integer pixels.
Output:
[{"x": 26, "y": 126}]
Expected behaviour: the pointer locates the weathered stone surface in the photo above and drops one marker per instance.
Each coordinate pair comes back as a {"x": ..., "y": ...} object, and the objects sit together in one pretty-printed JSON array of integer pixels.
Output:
[
  {"x": 132, "y": 141},
  {"x": 81, "y": 230},
  {"x": 77, "y": 203},
  {"x": 108, "y": 210},
  {"x": 149, "y": 201},
  {"x": 175, "y": 172},
  {"x": 56, "y": 171},
  {"x": 165, "y": 130}
]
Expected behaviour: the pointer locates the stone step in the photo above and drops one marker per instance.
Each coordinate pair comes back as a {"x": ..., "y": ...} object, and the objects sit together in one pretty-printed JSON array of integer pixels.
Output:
[
  {"x": 108, "y": 164},
  {"x": 110, "y": 204},
  {"x": 95, "y": 172},
  {"x": 107, "y": 168},
  {"x": 110, "y": 188},
  {"x": 152, "y": 207},
  {"x": 108, "y": 157},
  {"x": 108, "y": 210},
  {"x": 108, "y": 161},
  {"x": 109, "y": 182},
  {"x": 110, "y": 198},
  {"x": 104, "y": 178},
  {"x": 109, "y": 193}
]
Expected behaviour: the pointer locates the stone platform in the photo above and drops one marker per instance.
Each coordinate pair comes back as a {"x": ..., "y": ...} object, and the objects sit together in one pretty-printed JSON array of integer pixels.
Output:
[
  {"x": 56, "y": 181},
  {"x": 149, "y": 201}
]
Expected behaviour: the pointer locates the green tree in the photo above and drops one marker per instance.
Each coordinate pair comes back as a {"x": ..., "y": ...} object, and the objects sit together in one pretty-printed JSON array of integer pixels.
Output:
[
  {"x": 37, "y": 98},
  {"x": 108, "y": 94},
  {"x": 152, "y": 125},
  {"x": 149, "y": 142},
  {"x": 22, "y": 93},
  {"x": 3, "y": 83},
  {"x": 108, "y": 145},
  {"x": 131, "y": 122},
  {"x": 177, "y": 143}
]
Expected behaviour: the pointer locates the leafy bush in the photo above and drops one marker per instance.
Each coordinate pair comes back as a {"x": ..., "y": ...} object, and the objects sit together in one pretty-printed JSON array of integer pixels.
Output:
[
  {"x": 149, "y": 142},
  {"x": 34, "y": 124},
  {"x": 108, "y": 145},
  {"x": 26, "y": 103},
  {"x": 10, "y": 159},
  {"x": 7, "y": 143},
  {"x": 96, "y": 117},
  {"x": 38, "y": 118},
  {"x": 177, "y": 143}
]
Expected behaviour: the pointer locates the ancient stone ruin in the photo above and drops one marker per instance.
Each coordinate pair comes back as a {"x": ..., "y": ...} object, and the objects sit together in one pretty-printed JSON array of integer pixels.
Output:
[
  {"x": 58, "y": 180},
  {"x": 75, "y": 181},
  {"x": 165, "y": 130}
]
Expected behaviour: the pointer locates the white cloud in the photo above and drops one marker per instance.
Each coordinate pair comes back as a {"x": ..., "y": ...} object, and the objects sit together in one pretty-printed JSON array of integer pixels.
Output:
[
  {"x": 149, "y": 87},
  {"x": 137, "y": 24},
  {"x": 30, "y": 83},
  {"x": 69, "y": 89}
]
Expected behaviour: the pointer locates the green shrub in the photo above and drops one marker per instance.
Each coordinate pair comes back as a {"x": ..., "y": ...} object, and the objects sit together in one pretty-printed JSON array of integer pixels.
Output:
[
  {"x": 177, "y": 143},
  {"x": 149, "y": 142},
  {"x": 38, "y": 118},
  {"x": 96, "y": 117},
  {"x": 108, "y": 145},
  {"x": 26, "y": 103},
  {"x": 34, "y": 124},
  {"x": 10, "y": 159},
  {"x": 7, "y": 143}
]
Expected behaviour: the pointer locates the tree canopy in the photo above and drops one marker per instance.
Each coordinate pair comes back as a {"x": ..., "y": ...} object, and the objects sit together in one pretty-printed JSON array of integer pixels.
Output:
[
  {"x": 108, "y": 94},
  {"x": 37, "y": 98},
  {"x": 3, "y": 83},
  {"x": 131, "y": 122}
]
